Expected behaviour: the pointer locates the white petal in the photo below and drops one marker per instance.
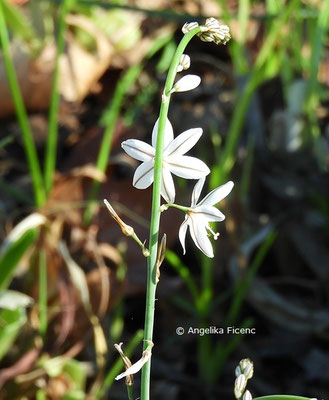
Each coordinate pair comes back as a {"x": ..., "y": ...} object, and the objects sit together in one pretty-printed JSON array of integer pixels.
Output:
[
  {"x": 197, "y": 191},
  {"x": 182, "y": 233},
  {"x": 183, "y": 143},
  {"x": 187, "y": 167},
  {"x": 167, "y": 186},
  {"x": 137, "y": 149},
  {"x": 199, "y": 235},
  {"x": 168, "y": 135},
  {"x": 209, "y": 213},
  {"x": 188, "y": 82},
  {"x": 143, "y": 176},
  {"x": 217, "y": 194}
]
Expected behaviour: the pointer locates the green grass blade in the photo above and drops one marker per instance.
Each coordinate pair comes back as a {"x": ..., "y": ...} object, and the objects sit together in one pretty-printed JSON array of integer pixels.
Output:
[
  {"x": 18, "y": 22},
  {"x": 256, "y": 76},
  {"x": 318, "y": 44},
  {"x": 110, "y": 118},
  {"x": 241, "y": 287},
  {"x": 183, "y": 272},
  {"x": 16, "y": 193},
  {"x": 52, "y": 138},
  {"x": 29, "y": 145},
  {"x": 11, "y": 322},
  {"x": 11, "y": 257},
  {"x": 222, "y": 351}
]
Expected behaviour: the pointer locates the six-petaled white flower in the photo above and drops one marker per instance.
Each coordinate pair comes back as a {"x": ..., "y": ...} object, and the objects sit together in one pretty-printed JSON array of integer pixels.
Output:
[
  {"x": 173, "y": 161},
  {"x": 200, "y": 214}
]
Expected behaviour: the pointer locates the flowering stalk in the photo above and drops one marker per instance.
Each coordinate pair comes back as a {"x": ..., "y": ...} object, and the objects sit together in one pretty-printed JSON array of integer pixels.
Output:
[{"x": 155, "y": 216}]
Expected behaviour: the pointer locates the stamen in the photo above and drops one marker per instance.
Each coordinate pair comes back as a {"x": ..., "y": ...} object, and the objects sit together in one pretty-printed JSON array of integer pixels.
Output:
[{"x": 215, "y": 234}]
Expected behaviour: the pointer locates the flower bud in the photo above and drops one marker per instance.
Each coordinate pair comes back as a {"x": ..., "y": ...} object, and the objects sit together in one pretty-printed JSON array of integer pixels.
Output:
[
  {"x": 188, "y": 82},
  {"x": 238, "y": 371},
  {"x": 213, "y": 31},
  {"x": 239, "y": 386},
  {"x": 189, "y": 26},
  {"x": 184, "y": 63},
  {"x": 247, "y": 368},
  {"x": 247, "y": 395}
]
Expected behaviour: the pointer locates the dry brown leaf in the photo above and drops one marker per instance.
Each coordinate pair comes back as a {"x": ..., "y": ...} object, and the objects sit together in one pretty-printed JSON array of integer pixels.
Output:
[
  {"x": 88, "y": 171},
  {"x": 80, "y": 69},
  {"x": 34, "y": 77},
  {"x": 110, "y": 252}
]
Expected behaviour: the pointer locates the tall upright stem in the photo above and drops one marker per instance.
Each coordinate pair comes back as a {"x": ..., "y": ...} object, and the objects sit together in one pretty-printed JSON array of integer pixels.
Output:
[
  {"x": 27, "y": 136},
  {"x": 155, "y": 216}
]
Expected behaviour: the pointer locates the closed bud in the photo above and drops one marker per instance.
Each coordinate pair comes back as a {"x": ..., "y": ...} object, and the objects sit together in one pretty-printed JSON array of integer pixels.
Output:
[
  {"x": 238, "y": 371},
  {"x": 189, "y": 26},
  {"x": 188, "y": 82},
  {"x": 249, "y": 371},
  {"x": 247, "y": 368},
  {"x": 184, "y": 63},
  {"x": 247, "y": 395},
  {"x": 213, "y": 31},
  {"x": 239, "y": 386},
  {"x": 212, "y": 23}
]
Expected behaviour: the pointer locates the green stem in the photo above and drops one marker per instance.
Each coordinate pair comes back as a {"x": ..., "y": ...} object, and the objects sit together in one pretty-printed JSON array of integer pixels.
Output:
[
  {"x": 43, "y": 294},
  {"x": 29, "y": 146},
  {"x": 130, "y": 393},
  {"x": 182, "y": 208},
  {"x": 155, "y": 216},
  {"x": 51, "y": 146}
]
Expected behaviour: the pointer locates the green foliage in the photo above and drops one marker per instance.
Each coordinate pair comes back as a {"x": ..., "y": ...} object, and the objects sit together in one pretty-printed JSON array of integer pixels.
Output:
[
  {"x": 18, "y": 23},
  {"x": 12, "y": 255},
  {"x": 11, "y": 322}
]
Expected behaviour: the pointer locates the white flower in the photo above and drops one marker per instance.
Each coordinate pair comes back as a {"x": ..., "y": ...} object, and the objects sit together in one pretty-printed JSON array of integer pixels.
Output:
[
  {"x": 200, "y": 214},
  {"x": 173, "y": 160}
]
